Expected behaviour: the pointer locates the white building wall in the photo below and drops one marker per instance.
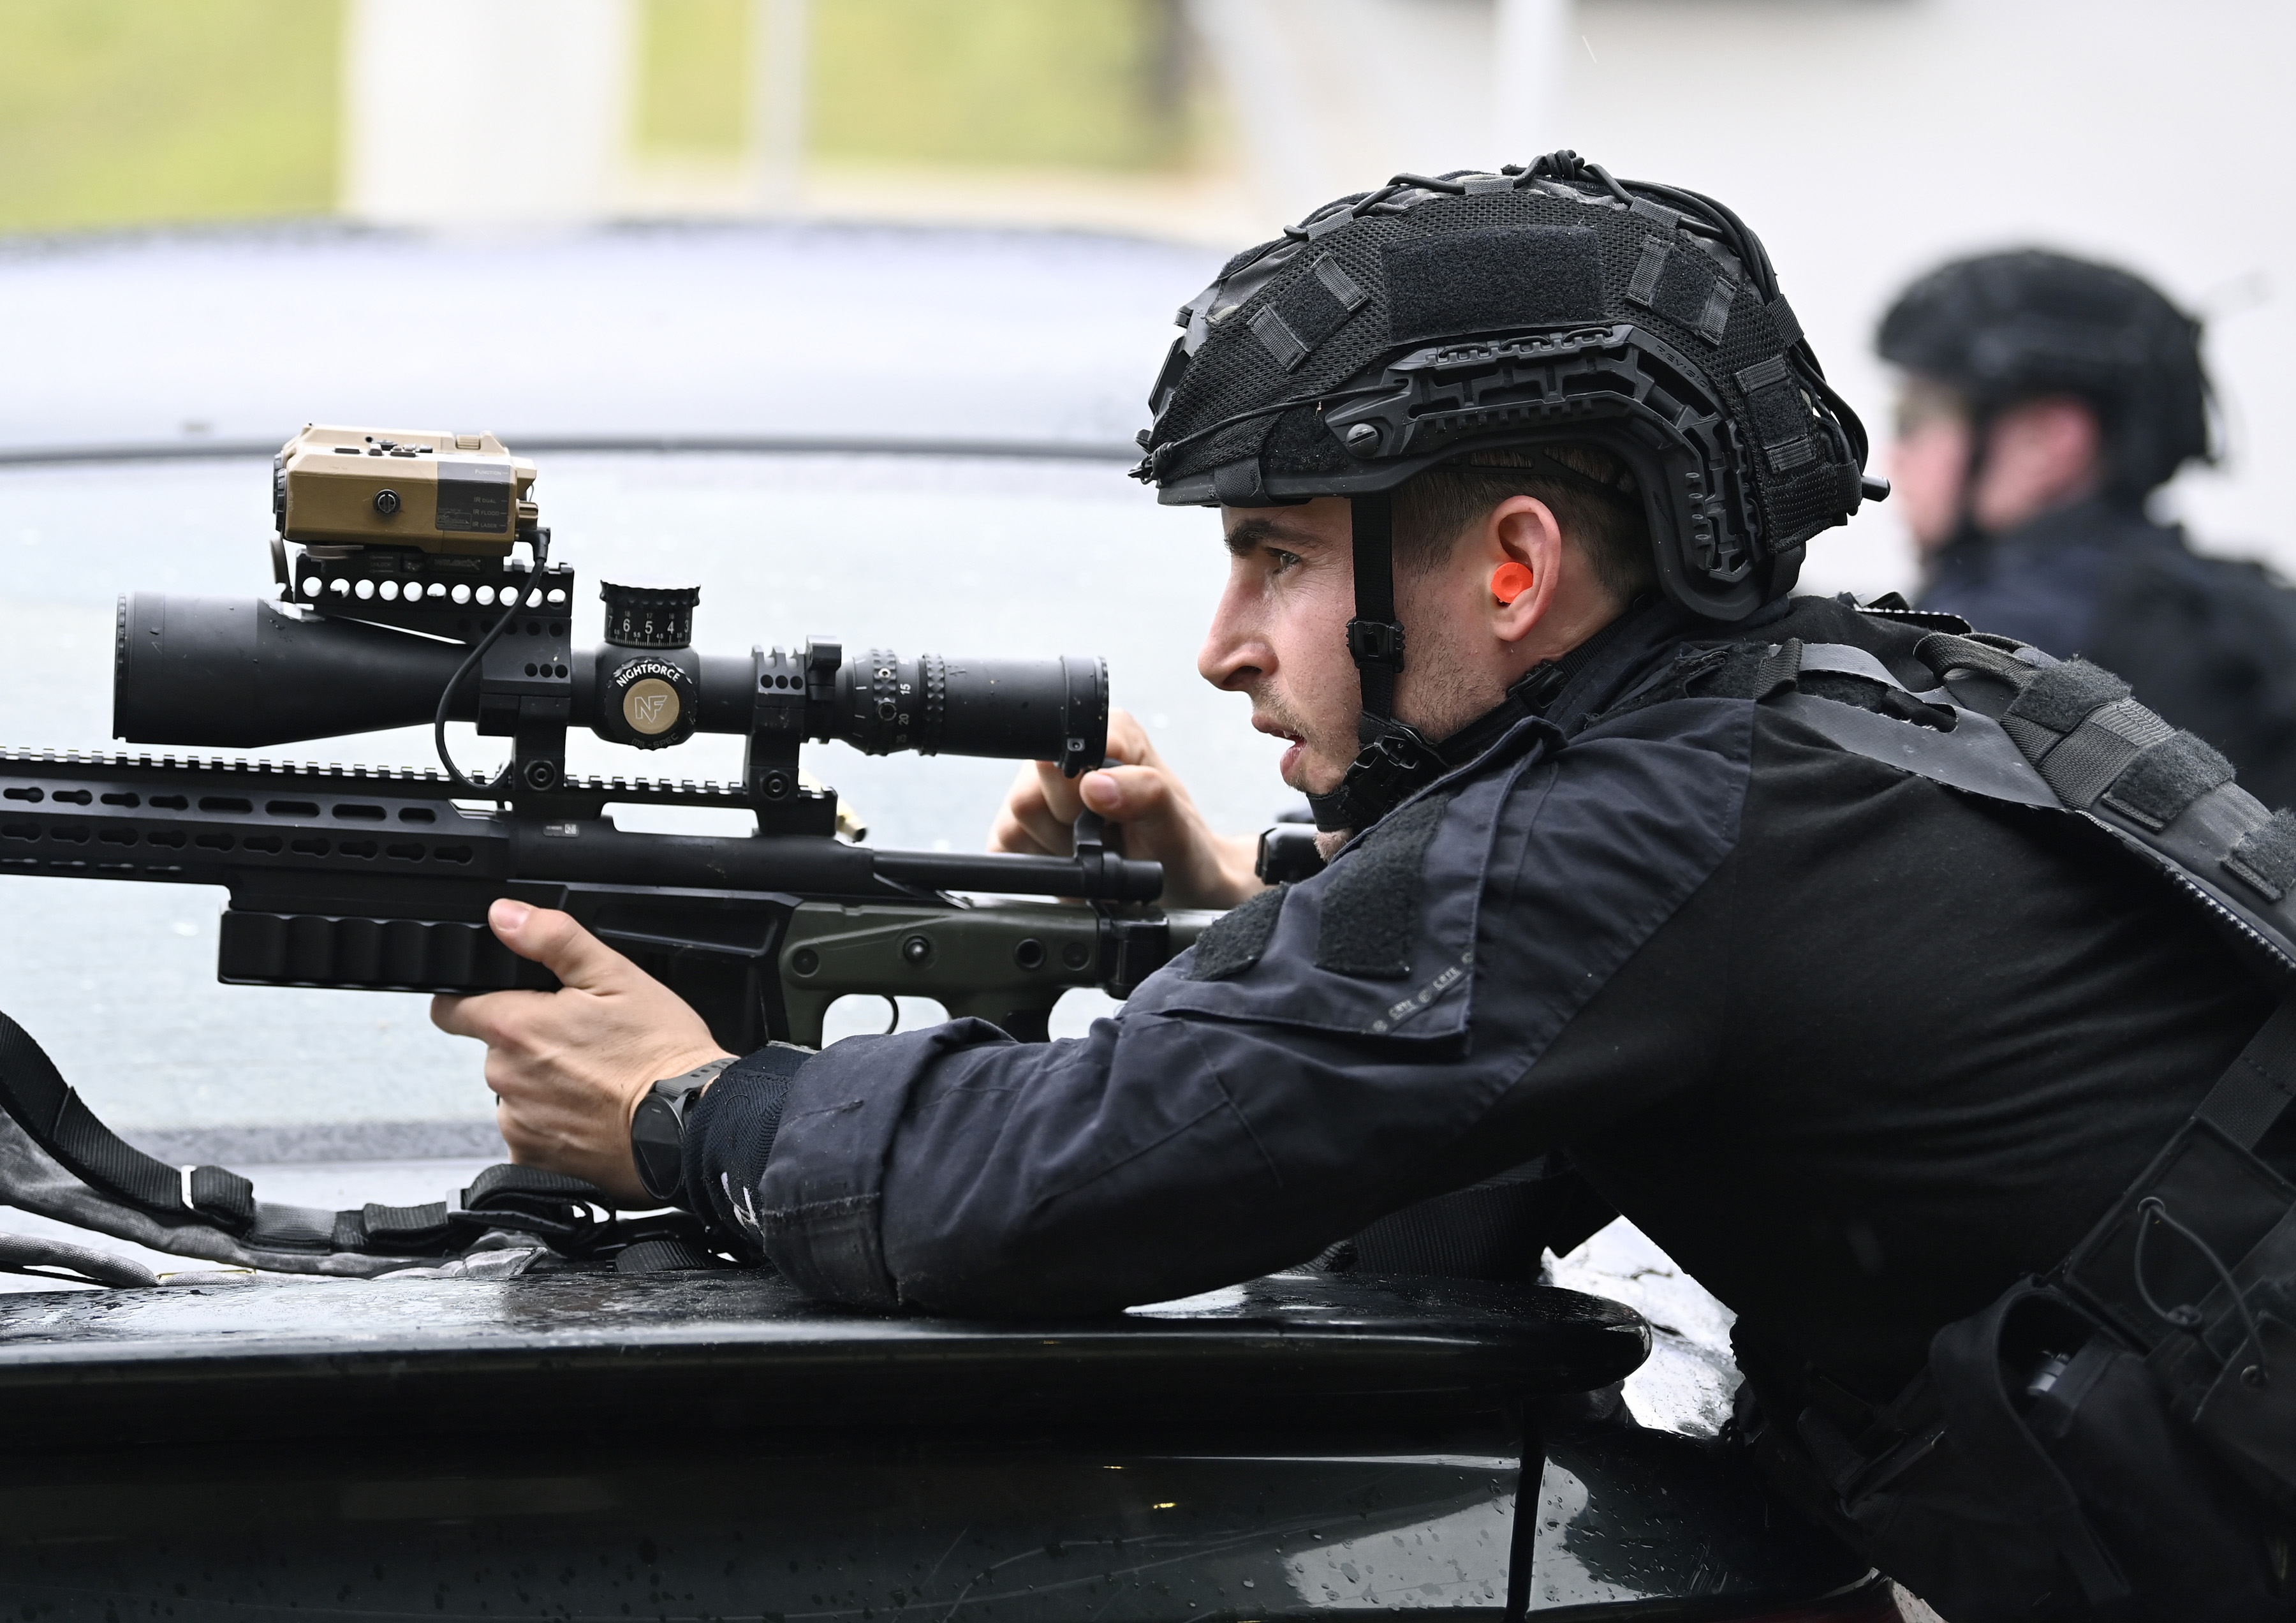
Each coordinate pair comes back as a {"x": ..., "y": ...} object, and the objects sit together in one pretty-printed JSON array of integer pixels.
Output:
[
  {"x": 463, "y": 113},
  {"x": 1866, "y": 140}
]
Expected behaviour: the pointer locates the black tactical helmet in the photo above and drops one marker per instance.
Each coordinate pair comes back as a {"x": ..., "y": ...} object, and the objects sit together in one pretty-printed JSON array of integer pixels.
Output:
[
  {"x": 1435, "y": 318},
  {"x": 2006, "y": 328}
]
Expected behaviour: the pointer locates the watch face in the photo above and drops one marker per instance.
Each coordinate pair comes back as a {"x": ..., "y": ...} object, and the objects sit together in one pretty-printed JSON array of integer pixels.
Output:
[{"x": 656, "y": 1146}]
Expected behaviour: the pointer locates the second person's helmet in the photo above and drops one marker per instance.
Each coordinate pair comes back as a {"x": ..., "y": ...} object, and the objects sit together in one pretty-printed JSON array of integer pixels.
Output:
[{"x": 2005, "y": 327}]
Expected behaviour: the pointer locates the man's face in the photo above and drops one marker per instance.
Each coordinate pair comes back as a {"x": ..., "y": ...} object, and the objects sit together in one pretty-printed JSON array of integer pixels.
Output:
[
  {"x": 1929, "y": 460},
  {"x": 1280, "y": 633},
  {"x": 2039, "y": 454}
]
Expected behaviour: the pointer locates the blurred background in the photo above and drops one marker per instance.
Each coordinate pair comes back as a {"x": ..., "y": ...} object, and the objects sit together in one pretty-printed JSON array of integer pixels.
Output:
[{"x": 889, "y": 226}]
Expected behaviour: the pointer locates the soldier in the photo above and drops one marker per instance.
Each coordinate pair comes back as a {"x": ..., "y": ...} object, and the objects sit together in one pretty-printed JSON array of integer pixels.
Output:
[
  {"x": 1758, "y": 906},
  {"x": 2045, "y": 399}
]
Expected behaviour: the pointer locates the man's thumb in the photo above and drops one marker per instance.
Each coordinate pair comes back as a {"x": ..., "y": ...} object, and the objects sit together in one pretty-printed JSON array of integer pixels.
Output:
[
  {"x": 555, "y": 941},
  {"x": 1128, "y": 793}
]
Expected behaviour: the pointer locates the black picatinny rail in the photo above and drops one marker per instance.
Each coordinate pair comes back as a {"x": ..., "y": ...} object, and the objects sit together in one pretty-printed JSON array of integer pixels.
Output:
[
  {"x": 348, "y": 876},
  {"x": 200, "y": 820}
]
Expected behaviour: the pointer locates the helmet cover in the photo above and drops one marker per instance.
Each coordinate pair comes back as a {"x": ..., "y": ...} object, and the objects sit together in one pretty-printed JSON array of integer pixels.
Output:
[{"x": 1437, "y": 317}]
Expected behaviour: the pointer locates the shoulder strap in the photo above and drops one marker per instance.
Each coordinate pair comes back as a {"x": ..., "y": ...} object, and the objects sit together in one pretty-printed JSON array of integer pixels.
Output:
[
  {"x": 2258, "y": 1085},
  {"x": 2067, "y": 736}
]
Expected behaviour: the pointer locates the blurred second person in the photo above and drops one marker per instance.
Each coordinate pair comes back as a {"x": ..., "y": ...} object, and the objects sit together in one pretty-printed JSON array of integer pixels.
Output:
[{"x": 2044, "y": 399}]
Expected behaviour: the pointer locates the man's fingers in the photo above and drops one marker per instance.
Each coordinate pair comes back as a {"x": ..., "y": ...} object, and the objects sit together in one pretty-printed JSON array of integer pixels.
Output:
[
  {"x": 1128, "y": 741},
  {"x": 1012, "y": 836},
  {"x": 1134, "y": 796},
  {"x": 494, "y": 1017},
  {"x": 559, "y": 944},
  {"x": 1038, "y": 812},
  {"x": 1056, "y": 792}
]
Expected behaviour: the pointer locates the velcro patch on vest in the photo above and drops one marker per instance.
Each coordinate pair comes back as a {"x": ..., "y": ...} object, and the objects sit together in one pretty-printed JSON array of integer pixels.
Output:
[
  {"x": 2090, "y": 759},
  {"x": 2165, "y": 778},
  {"x": 2264, "y": 859},
  {"x": 1308, "y": 311},
  {"x": 1371, "y": 900},
  {"x": 1682, "y": 283},
  {"x": 1233, "y": 941},
  {"x": 1490, "y": 280},
  {"x": 2061, "y": 697},
  {"x": 1782, "y": 416}
]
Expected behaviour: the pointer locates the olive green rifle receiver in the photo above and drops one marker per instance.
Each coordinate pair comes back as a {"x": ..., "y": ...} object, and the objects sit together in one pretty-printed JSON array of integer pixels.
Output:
[{"x": 406, "y": 599}]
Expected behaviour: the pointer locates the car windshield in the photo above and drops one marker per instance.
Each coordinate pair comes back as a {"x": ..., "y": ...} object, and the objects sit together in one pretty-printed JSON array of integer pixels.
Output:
[{"x": 843, "y": 335}]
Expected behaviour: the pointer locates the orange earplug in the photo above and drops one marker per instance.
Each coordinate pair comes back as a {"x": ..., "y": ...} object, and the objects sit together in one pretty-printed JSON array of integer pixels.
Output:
[{"x": 1510, "y": 581}]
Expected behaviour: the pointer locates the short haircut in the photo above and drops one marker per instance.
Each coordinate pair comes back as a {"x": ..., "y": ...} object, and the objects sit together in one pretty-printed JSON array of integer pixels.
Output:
[{"x": 1434, "y": 508}]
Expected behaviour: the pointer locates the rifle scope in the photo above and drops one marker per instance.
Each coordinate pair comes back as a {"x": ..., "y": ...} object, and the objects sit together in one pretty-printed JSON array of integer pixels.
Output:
[{"x": 240, "y": 673}]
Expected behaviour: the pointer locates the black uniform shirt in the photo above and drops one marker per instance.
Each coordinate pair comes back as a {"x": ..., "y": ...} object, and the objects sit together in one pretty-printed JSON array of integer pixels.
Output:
[
  {"x": 2209, "y": 643},
  {"x": 1856, "y": 1049}
]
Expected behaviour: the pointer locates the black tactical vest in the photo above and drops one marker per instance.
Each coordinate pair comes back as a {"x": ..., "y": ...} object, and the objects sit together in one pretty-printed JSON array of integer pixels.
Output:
[{"x": 2118, "y": 1438}]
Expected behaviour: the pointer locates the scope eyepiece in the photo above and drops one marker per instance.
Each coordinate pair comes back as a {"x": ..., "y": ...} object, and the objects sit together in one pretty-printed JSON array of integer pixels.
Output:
[{"x": 1012, "y": 709}]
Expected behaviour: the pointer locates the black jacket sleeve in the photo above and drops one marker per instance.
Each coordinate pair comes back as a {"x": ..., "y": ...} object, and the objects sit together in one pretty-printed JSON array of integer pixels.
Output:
[{"x": 1324, "y": 1057}]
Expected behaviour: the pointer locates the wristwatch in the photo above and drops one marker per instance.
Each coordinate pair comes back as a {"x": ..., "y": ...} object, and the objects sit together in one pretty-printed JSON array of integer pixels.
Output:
[{"x": 658, "y": 1130}]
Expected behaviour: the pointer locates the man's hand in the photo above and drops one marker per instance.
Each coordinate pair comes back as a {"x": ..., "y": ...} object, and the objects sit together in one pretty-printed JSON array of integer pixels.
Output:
[
  {"x": 570, "y": 1067},
  {"x": 1160, "y": 821}
]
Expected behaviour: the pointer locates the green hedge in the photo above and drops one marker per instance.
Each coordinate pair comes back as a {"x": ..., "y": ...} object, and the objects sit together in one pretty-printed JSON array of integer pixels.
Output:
[
  {"x": 151, "y": 111},
  {"x": 1067, "y": 83},
  {"x": 127, "y": 111}
]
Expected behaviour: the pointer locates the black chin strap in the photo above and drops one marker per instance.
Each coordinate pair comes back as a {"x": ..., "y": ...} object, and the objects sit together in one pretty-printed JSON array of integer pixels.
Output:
[
  {"x": 1374, "y": 636},
  {"x": 1395, "y": 757},
  {"x": 1396, "y": 760}
]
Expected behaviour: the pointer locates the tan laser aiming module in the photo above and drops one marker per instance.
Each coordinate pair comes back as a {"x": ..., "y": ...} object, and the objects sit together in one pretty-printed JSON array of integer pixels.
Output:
[{"x": 461, "y": 494}]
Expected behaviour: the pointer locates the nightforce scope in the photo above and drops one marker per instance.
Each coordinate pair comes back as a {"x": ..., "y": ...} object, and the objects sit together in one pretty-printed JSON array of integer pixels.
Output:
[
  {"x": 405, "y": 606},
  {"x": 241, "y": 673}
]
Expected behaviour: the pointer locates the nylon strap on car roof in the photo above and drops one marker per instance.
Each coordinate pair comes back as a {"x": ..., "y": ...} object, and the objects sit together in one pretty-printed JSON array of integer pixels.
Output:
[
  {"x": 211, "y": 1212},
  {"x": 33, "y": 1091}
]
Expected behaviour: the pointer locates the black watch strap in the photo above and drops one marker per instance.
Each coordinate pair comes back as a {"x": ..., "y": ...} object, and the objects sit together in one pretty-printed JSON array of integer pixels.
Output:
[{"x": 658, "y": 1130}]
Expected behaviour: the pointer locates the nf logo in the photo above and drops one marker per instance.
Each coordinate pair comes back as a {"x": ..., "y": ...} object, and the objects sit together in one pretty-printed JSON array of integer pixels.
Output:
[{"x": 650, "y": 707}]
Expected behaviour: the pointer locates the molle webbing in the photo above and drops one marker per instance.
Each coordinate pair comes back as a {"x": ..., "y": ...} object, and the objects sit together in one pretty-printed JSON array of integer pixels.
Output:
[
  {"x": 2264, "y": 858},
  {"x": 1683, "y": 282},
  {"x": 1308, "y": 311},
  {"x": 2088, "y": 739},
  {"x": 2251, "y": 1095},
  {"x": 2163, "y": 1317}
]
